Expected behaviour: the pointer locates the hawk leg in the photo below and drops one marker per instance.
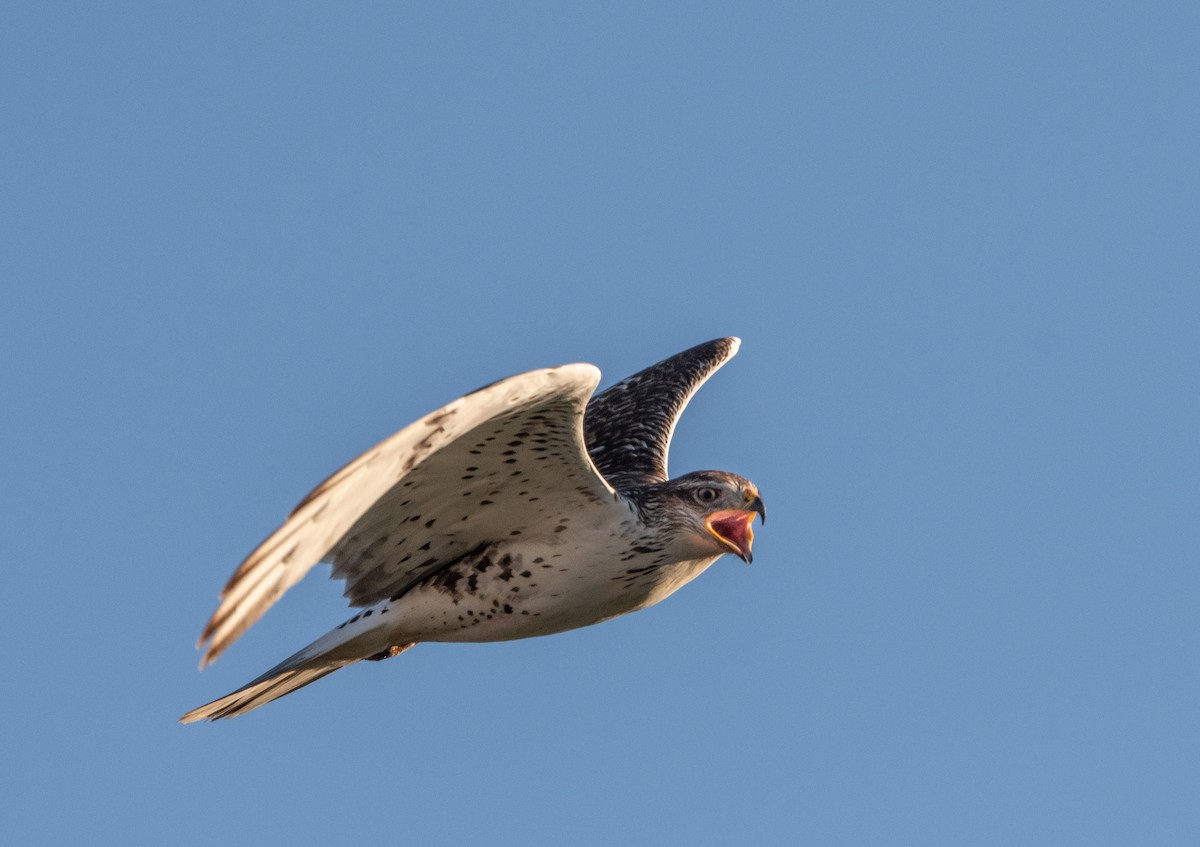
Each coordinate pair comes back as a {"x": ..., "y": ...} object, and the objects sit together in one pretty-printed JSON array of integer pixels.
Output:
[{"x": 394, "y": 650}]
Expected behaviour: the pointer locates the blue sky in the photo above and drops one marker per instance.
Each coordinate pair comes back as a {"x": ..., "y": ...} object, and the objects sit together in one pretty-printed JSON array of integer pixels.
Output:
[{"x": 960, "y": 244}]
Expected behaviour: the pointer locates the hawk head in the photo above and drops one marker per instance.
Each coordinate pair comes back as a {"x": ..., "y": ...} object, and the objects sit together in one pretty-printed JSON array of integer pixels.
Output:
[{"x": 707, "y": 513}]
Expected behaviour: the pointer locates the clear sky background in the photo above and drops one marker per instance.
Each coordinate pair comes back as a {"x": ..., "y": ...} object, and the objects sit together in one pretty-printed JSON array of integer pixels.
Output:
[{"x": 241, "y": 243}]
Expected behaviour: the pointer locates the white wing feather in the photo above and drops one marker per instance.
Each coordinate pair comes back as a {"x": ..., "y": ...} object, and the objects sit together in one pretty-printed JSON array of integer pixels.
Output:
[{"x": 345, "y": 517}]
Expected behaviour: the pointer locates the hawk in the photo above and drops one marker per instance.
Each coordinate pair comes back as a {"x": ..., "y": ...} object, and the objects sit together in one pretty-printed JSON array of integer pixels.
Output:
[{"x": 525, "y": 508}]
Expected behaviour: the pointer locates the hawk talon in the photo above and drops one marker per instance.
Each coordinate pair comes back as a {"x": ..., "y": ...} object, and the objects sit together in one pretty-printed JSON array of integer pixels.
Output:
[{"x": 394, "y": 650}]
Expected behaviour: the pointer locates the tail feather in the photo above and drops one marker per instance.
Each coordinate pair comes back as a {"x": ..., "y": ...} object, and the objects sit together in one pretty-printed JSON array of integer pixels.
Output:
[
  {"x": 270, "y": 686},
  {"x": 353, "y": 641}
]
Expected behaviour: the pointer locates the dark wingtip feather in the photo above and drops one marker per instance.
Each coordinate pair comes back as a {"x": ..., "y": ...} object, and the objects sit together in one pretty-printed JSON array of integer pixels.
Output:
[{"x": 628, "y": 427}]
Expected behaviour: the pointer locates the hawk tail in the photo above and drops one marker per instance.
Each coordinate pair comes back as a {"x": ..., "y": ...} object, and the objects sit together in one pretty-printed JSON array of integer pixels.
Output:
[
  {"x": 335, "y": 650},
  {"x": 270, "y": 686}
]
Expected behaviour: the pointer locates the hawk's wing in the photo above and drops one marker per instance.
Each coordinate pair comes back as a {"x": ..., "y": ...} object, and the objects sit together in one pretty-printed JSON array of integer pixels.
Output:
[
  {"x": 628, "y": 427},
  {"x": 505, "y": 460}
]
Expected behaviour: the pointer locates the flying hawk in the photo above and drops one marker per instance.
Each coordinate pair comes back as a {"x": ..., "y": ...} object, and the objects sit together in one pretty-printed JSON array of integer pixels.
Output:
[{"x": 524, "y": 508}]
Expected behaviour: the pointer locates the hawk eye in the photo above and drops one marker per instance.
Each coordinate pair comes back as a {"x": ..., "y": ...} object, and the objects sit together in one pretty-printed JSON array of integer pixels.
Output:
[{"x": 707, "y": 494}]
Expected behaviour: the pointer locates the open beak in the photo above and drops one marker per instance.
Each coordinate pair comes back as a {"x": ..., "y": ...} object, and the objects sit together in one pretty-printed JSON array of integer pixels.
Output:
[{"x": 732, "y": 527}]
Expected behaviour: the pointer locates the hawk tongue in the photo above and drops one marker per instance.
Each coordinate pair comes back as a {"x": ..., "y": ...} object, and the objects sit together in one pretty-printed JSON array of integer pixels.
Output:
[{"x": 733, "y": 528}]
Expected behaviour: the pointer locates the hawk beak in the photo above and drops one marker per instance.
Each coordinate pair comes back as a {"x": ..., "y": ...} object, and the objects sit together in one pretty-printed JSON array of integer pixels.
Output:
[
  {"x": 732, "y": 527},
  {"x": 756, "y": 505}
]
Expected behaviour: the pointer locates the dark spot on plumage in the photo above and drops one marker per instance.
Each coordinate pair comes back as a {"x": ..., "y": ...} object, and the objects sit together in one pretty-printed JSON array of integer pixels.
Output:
[
  {"x": 509, "y": 453},
  {"x": 538, "y": 560},
  {"x": 527, "y": 574},
  {"x": 367, "y": 613},
  {"x": 446, "y": 580},
  {"x": 467, "y": 476},
  {"x": 425, "y": 546},
  {"x": 472, "y": 583},
  {"x": 509, "y": 461},
  {"x": 507, "y": 609},
  {"x": 515, "y": 532},
  {"x": 483, "y": 564},
  {"x": 430, "y": 522},
  {"x": 440, "y": 417},
  {"x": 560, "y": 528},
  {"x": 485, "y": 502}
]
